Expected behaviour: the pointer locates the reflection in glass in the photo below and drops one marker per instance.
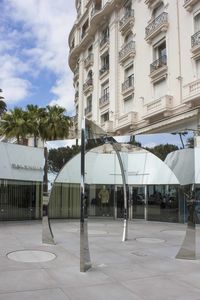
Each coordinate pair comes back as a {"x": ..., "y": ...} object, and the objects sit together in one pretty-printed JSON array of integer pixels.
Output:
[{"x": 20, "y": 200}]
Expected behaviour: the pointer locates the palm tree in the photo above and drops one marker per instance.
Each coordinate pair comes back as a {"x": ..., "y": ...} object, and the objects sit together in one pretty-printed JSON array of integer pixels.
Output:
[
  {"x": 14, "y": 124},
  {"x": 56, "y": 123},
  {"x": 35, "y": 119}
]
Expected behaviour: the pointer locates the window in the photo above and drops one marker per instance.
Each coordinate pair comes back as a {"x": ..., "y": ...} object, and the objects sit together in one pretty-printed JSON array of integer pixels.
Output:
[
  {"x": 160, "y": 89},
  {"x": 105, "y": 33},
  {"x": 97, "y": 4},
  {"x": 159, "y": 50},
  {"x": 84, "y": 28},
  {"x": 105, "y": 89},
  {"x": 197, "y": 22},
  {"x": 105, "y": 117},
  {"x": 128, "y": 72},
  {"x": 89, "y": 102},
  {"x": 198, "y": 68},
  {"x": 90, "y": 49},
  {"x": 127, "y": 5},
  {"x": 158, "y": 10},
  {"x": 128, "y": 104},
  {"x": 104, "y": 63},
  {"x": 128, "y": 37}
]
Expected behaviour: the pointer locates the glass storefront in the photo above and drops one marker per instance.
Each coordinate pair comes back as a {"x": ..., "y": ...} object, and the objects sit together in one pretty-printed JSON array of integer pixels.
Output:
[{"x": 20, "y": 200}]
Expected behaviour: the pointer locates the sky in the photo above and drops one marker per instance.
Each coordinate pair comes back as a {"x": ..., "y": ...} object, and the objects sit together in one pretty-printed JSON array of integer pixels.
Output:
[{"x": 34, "y": 52}]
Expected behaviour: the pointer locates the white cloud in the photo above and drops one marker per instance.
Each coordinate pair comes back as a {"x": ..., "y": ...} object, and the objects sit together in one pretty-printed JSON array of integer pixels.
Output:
[{"x": 47, "y": 23}]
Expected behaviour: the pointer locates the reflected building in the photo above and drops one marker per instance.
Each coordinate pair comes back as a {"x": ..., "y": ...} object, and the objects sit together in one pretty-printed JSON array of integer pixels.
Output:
[
  {"x": 153, "y": 189},
  {"x": 137, "y": 74}
]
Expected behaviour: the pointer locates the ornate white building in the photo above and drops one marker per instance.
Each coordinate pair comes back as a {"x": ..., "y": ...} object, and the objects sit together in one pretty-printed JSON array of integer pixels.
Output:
[{"x": 136, "y": 64}]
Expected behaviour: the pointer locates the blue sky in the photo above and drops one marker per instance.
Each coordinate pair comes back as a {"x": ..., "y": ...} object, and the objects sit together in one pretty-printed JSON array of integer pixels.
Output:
[{"x": 34, "y": 52}]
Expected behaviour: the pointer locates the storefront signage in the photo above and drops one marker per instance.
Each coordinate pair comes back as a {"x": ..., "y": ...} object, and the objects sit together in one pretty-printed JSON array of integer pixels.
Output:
[{"x": 25, "y": 167}]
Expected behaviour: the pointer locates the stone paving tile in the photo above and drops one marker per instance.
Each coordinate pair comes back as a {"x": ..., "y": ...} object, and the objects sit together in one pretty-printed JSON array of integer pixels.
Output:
[
  {"x": 50, "y": 294},
  {"x": 22, "y": 280},
  {"x": 72, "y": 277},
  {"x": 112, "y": 291},
  {"x": 162, "y": 288}
]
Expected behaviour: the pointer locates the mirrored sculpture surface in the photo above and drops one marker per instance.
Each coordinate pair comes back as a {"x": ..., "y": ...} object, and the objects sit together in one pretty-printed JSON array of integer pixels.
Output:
[{"x": 47, "y": 235}]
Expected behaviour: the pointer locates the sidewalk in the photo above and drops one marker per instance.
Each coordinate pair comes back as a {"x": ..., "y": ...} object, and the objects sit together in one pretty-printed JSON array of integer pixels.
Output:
[{"x": 143, "y": 268}]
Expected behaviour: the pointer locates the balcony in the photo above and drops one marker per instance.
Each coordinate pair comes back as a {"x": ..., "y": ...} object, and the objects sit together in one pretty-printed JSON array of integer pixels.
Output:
[
  {"x": 188, "y": 4},
  {"x": 104, "y": 100},
  {"x": 104, "y": 43},
  {"x": 127, "y": 51},
  {"x": 88, "y": 86},
  {"x": 191, "y": 93},
  {"x": 195, "y": 41},
  {"x": 127, "y": 21},
  {"x": 126, "y": 120},
  {"x": 161, "y": 106},
  {"x": 89, "y": 60},
  {"x": 128, "y": 85},
  {"x": 158, "y": 68},
  {"x": 88, "y": 111},
  {"x": 158, "y": 25},
  {"x": 104, "y": 71}
]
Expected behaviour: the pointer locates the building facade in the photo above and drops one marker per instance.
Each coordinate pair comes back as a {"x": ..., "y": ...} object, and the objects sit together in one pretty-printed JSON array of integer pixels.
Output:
[
  {"x": 21, "y": 182},
  {"x": 136, "y": 64}
]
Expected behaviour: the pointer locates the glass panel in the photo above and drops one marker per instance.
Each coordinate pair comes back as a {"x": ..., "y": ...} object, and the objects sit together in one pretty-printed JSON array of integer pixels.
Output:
[
  {"x": 138, "y": 201},
  {"x": 20, "y": 200}
]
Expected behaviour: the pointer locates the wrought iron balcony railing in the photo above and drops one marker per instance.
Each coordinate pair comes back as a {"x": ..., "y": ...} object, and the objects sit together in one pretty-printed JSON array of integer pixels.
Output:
[
  {"x": 195, "y": 39},
  {"x": 128, "y": 83},
  {"x": 104, "y": 100},
  {"x": 155, "y": 24},
  {"x": 126, "y": 49},
  {"x": 87, "y": 84},
  {"x": 129, "y": 14},
  {"x": 157, "y": 64},
  {"x": 104, "y": 69}
]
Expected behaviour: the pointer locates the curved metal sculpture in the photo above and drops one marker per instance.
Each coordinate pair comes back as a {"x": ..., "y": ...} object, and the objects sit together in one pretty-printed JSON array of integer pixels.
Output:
[
  {"x": 125, "y": 228},
  {"x": 47, "y": 235},
  {"x": 85, "y": 262},
  {"x": 188, "y": 247}
]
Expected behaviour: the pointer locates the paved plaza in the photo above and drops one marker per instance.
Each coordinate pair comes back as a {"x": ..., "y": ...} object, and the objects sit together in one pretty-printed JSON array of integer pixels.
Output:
[{"x": 142, "y": 268}]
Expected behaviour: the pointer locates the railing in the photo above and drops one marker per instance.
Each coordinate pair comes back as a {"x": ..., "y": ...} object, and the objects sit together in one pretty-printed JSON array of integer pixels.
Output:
[
  {"x": 104, "y": 99},
  {"x": 161, "y": 19},
  {"x": 195, "y": 39},
  {"x": 128, "y": 83},
  {"x": 127, "y": 48},
  {"x": 88, "y": 83},
  {"x": 88, "y": 110},
  {"x": 104, "y": 69},
  {"x": 104, "y": 41},
  {"x": 157, "y": 64},
  {"x": 127, "y": 15},
  {"x": 89, "y": 59}
]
